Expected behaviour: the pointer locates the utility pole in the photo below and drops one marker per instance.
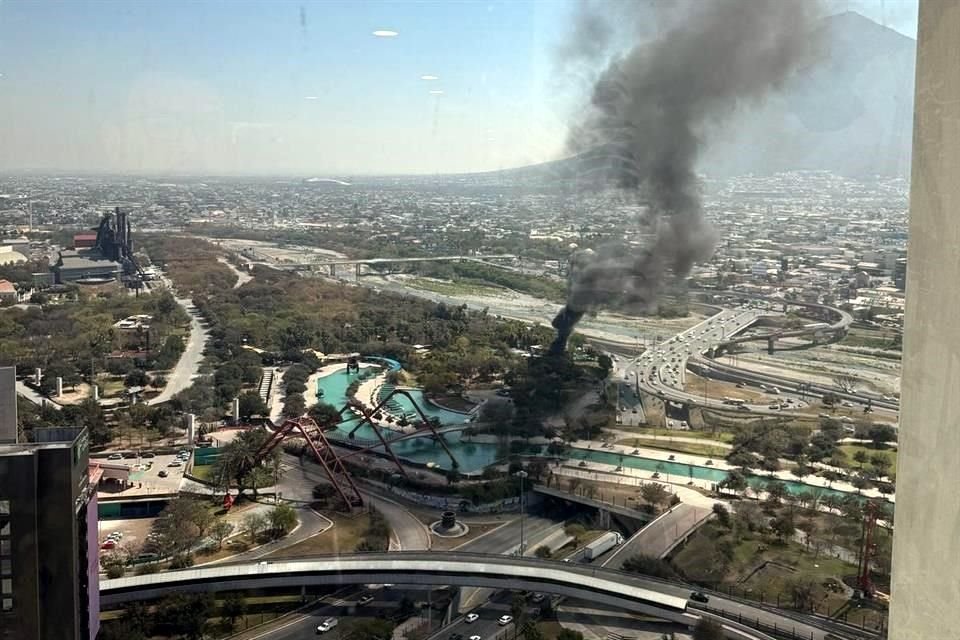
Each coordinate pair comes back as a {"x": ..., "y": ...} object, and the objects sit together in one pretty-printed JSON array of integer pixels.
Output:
[{"x": 522, "y": 475}]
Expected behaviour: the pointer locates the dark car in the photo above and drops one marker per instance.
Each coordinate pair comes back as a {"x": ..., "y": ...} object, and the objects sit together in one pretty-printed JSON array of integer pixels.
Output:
[
  {"x": 456, "y": 636},
  {"x": 367, "y": 599},
  {"x": 699, "y": 596}
]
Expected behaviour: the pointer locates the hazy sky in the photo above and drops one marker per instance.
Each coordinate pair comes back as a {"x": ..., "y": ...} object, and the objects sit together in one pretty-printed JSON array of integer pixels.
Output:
[{"x": 292, "y": 87}]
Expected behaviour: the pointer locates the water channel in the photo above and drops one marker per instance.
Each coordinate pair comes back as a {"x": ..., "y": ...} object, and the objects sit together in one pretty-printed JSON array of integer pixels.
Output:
[{"x": 474, "y": 456}]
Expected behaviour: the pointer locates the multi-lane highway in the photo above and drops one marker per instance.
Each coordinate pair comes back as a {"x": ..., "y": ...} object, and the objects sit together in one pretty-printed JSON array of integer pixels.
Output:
[{"x": 661, "y": 371}]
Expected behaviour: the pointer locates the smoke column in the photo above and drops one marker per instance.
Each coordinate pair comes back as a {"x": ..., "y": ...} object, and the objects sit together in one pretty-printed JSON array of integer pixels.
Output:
[{"x": 649, "y": 111}]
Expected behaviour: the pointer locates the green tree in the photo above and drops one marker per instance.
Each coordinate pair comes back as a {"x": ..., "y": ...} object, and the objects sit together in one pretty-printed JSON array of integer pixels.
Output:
[
  {"x": 776, "y": 490},
  {"x": 407, "y": 607},
  {"x": 723, "y": 515},
  {"x": 324, "y": 414},
  {"x": 860, "y": 457},
  {"x": 736, "y": 481},
  {"x": 237, "y": 461},
  {"x": 252, "y": 404},
  {"x": 880, "y": 434},
  {"x": 137, "y": 378},
  {"x": 283, "y": 518},
  {"x": 121, "y": 629},
  {"x": 569, "y": 634},
  {"x": 543, "y": 551},
  {"x": 367, "y": 629},
  {"x": 801, "y": 590},
  {"x": 881, "y": 463},
  {"x": 605, "y": 363},
  {"x": 531, "y": 631},
  {"x": 809, "y": 528},
  {"x": 294, "y": 405},
  {"x": 220, "y": 530},
  {"x": 254, "y": 524},
  {"x": 783, "y": 526},
  {"x": 518, "y": 608},
  {"x": 182, "y": 524},
  {"x": 234, "y": 606},
  {"x": 185, "y": 614},
  {"x": 708, "y": 629},
  {"x": 90, "y": 414},
  {"x": 654, "y": 493}
]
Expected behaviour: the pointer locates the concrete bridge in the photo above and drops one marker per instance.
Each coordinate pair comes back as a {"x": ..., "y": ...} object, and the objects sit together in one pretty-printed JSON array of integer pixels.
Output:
[
  {"x": 638, "y": 594},
  {"x": 630, "y": 518},
  {"x": 332, "y": 264}
]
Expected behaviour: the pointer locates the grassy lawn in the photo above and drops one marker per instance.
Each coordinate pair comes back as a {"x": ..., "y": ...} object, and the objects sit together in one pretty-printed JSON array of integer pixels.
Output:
[
  {"x": 720, "y": 436},
  {"x": 111, "y": 387},
  {"x": 692, "y": 448},
  {"x": 549, "y": 629},
  {"x": 851, "y": 450},
  {"x": 201, "y": 471},
  {"x": 341, "y": 538},
  {"x": 763, "y": 568}
]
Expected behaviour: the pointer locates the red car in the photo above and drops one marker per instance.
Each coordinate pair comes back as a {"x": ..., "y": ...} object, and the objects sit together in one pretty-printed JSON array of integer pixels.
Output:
[{"x": 109, "y": 544}]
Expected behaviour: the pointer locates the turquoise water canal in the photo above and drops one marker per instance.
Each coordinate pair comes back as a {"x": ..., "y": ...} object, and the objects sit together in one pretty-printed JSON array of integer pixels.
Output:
[
  {"x": 474, "y": 456},
  {"x": 471, "y": 456}
]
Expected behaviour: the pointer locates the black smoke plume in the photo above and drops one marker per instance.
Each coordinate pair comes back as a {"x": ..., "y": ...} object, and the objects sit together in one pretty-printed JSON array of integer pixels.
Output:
[{"x": 650, "y": 110}]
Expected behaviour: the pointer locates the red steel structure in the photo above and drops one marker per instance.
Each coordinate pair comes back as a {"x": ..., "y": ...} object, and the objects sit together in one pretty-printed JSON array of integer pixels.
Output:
[
  {"x": 870, "y": 514},
  {"x": 423, "y": 426},
  {"x": 332, "y": 464}
]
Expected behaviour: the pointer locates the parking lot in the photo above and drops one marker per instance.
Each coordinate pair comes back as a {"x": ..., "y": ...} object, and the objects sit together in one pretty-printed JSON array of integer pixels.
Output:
[
  {"x": 134, "y": 533},
  {"x": 148, "y": 476}
]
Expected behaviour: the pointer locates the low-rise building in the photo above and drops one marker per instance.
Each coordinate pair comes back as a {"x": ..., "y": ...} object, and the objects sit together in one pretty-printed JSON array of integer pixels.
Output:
[
  {"x": 8, "y": 292},
  {"x": 85, "y": 267}
]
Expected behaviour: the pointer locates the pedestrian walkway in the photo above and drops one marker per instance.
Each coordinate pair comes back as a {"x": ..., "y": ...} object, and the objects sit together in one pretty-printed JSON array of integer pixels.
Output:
[{"x": 720, "y": 463}]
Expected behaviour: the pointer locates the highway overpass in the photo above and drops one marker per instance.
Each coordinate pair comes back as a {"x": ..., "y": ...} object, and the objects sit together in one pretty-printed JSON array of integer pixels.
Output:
[
  {"x": 638, "y": 594},
  {"x": 612, "y": 588},
  {"x": 633, "y": 518},
  {"x": 660, "y": 371}
]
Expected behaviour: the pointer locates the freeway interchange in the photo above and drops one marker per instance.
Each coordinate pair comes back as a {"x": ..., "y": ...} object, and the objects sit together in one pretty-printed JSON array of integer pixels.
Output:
[{"x": 661, "y": 371}]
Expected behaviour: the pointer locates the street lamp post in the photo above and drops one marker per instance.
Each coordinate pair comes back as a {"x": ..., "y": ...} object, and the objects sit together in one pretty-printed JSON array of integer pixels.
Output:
[{"x": 522, "y": 475}]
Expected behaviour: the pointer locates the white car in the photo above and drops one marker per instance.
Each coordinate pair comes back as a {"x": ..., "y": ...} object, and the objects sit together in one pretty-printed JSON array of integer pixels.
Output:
[
  {"x": 474, "y": 637},
  {"x": 504, "y": 620},
  {"x": 472, "y": 617},
  {"x": 326, "y": 625}
]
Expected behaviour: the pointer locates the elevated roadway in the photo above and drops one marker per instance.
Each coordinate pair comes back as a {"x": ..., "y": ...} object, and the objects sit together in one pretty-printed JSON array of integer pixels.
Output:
[
  {"x": 661, "y": 371},
  {"x": 420, "y": 568},
  {"x": 661, "y": 536},
  {"x": 638, "y": 594},
  {"x": 638, "y": 518}
]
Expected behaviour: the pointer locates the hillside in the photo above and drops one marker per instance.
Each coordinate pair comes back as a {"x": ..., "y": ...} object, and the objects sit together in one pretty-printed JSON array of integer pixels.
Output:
[{"x": 851, "y": 112}]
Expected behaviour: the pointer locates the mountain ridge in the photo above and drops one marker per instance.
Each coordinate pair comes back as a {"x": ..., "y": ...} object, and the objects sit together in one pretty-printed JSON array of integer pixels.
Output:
[{"x": 851, "y": 113}]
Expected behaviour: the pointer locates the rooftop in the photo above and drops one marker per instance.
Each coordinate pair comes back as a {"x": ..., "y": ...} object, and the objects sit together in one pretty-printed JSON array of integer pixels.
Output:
[{"x": 85, "y": 260}]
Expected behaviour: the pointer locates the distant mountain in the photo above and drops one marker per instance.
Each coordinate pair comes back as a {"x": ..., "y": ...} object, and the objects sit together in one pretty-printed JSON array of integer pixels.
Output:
[{"x": 851, "y": 112}]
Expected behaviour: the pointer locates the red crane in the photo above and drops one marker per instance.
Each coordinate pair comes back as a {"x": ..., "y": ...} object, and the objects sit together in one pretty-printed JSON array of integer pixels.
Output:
[{"x": 870, "y": 514}]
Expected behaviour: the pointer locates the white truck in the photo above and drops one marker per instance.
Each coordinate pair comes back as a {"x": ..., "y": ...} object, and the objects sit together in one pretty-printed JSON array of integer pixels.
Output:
[{"x": 602, "y": 544}]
